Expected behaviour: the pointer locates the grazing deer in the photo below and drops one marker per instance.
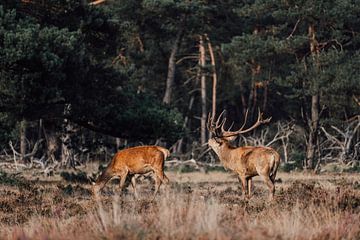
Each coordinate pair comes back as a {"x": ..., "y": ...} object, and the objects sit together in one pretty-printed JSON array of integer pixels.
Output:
[
  {"x": 246, "y": 161},
  {"x": 136, "y": 160}
]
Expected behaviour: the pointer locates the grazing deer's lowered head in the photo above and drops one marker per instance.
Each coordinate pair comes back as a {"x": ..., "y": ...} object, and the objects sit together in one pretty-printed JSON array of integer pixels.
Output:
[{"x": 248, "y": 161}]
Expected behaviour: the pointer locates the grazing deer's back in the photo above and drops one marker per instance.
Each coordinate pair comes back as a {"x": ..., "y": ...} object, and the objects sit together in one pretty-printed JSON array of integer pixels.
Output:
[{"x": 138, "y": 157}]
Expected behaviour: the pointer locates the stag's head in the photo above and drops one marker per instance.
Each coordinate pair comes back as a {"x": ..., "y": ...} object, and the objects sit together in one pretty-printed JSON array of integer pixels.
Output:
[{"x": 221, "y": 136}]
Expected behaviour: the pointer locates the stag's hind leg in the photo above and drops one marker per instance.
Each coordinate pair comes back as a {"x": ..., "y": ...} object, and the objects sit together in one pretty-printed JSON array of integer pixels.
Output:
[
  {"x": 243, "y": 182},
  {"x": 272, "y": 177},
  {"x": 270, "y": 185}
]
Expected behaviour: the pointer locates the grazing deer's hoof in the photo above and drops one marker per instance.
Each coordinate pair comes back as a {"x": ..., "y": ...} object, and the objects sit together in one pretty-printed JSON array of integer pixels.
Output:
[
  {"x": 96, "y": 196},
  {"x": 136, "y": 197}
]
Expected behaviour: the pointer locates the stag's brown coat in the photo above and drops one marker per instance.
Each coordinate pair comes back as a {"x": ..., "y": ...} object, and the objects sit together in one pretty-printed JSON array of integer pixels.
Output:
[
  {"x": 136, "y": 160},
  {"x": 246, "y": 161}
]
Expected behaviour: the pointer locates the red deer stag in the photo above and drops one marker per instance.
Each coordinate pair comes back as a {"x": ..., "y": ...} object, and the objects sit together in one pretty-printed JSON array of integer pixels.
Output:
[
  {"x": 246, "y": 161},
  {"x": 131, "y": 161}
]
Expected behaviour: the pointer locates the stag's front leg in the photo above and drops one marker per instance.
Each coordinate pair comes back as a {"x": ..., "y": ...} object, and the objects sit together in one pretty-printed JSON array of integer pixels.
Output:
[
  {"x": 243, "y": 181},
  {"x": 249, "y": 181}
]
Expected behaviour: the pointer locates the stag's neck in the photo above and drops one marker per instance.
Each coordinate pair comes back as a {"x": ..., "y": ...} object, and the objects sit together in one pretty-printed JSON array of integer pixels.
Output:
[{"x": 225, "y": 154}]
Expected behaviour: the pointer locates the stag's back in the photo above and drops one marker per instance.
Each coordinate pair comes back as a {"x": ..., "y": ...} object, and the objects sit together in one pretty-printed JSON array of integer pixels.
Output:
[{"x": 258, "y": 160}]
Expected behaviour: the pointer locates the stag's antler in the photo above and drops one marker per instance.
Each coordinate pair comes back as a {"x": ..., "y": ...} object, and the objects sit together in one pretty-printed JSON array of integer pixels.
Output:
[
  {"x": 213, "y": 127},
  {"x": 258, "y": 122}
]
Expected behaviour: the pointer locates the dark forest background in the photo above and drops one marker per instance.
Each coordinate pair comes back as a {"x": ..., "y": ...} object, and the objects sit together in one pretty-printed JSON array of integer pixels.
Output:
[{"x": 81, "y": 79}]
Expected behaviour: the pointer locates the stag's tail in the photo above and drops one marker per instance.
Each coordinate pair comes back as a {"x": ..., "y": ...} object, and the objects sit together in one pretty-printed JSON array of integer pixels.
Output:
[{"x": 275, "y": 164}]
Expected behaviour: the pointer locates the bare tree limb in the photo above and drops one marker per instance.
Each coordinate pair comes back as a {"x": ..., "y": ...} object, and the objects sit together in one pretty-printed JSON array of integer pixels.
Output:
[{"x": 294, "y": 29}]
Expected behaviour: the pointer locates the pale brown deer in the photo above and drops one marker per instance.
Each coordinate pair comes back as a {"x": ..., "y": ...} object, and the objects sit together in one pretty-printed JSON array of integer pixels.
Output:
[
  {"x": 248, "y": 161},
  {"x": 135, "y": 160}
]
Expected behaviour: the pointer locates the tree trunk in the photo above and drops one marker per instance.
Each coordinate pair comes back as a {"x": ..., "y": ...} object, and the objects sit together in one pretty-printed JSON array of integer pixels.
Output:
[
  {"x": 67, "y": 149},
  {"x": 117, "y": 142},
  {"x": 313, "y": 126},
  {"x": 178, "y": 148},
  {"x": 172, "y": 66},
  {"x": 252, "y": 101},
  {"x": 203, "y": 91},
  {"x": 52, "y": 143},
  {"x": 40, "y": 129},
  {"x": 23, "y": 124},
  {"x": 242, "y": 98},
  {"x": 214, "y": 77},
  {"x": 265, "y": 96},
  {"x": 315, "y": 106}
]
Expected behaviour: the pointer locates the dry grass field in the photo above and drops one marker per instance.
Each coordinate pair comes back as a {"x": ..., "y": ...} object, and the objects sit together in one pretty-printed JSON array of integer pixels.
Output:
[{"x": 193, "y": 206}]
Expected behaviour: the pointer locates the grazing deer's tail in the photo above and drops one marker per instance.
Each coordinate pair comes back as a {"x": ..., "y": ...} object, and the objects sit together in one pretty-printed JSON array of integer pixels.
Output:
[{"x": 165, "y": 152}]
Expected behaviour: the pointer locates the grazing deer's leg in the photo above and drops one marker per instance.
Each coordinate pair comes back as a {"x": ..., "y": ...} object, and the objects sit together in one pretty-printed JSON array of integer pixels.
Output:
[
  {"x": 133, "y": 184},
  {"x": 165, "y": 179},
  {"x": 122, "y": 180},
  {"x": 160, "y": 173},
  {"x": 249, "y": 180},
  {"x": 160, "y": 178},
  {"x": 158, "y": 182},
  {"x": 270, "y": 185}
]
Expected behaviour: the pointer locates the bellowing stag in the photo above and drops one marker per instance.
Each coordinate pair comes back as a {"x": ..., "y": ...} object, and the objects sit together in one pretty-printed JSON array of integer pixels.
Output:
[{"x": 247, "y": 161}]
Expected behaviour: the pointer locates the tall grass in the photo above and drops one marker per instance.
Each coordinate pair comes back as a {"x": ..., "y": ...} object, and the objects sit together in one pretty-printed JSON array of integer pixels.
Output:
[{"x": 189, "y": 216}]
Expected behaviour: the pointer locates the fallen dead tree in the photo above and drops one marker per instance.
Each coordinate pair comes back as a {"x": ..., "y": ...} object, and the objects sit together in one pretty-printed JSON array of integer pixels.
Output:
[
  {"x": 342, "y": 144},
  {"x": 192, "y": 163}
]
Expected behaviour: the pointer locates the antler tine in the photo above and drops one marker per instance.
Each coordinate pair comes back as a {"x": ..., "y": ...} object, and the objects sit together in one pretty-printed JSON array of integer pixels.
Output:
[
  {"x": 258, "y": 122},
  {"x": 223, "y": 124},
  {"x": 245, "y": 119},
  {"x": 232, "y": 124},
  {"x": 218, "y": 119},
  {"x": 260, "y": 114},
  {"x": 213, "y": 126}
]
